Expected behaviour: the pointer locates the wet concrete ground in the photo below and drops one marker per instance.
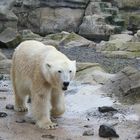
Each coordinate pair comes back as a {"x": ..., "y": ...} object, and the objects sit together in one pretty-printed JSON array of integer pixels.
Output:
[{"x": 82, "y": 102}]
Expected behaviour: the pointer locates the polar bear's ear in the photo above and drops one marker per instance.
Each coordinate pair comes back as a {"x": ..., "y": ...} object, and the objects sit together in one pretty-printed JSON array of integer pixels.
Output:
[{"x": 74, "y": 62}]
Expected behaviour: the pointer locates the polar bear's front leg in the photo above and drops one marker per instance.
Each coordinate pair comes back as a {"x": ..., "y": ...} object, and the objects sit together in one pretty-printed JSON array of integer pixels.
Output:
[
  {"x": 41, "y": 107},
  {"x": 58, "y": 103}
]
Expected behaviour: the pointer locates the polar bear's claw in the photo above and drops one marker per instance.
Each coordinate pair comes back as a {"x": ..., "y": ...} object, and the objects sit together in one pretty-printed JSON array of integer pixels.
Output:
[
  {"x": 47, "y": 125},
  {"x": 21, "y": 109}
]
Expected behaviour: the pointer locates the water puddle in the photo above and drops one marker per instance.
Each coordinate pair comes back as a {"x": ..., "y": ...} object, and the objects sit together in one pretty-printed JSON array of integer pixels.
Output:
[{"x": 85, "y": 98}]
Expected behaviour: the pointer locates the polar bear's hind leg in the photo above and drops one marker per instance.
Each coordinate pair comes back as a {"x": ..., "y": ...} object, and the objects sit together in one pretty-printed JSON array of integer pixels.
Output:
[{"x": 19, "y": 97}]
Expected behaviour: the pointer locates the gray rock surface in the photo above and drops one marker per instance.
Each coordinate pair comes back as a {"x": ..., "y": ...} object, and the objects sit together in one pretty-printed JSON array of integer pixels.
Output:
[
  {"x": 67, "y": 40},
  {"x": 92, "y": 73},
  {"x": 10, "y": 38},
  {"x": 52, "y": 20},
  {"x": 101, "y": 20},
  {"x": 2, "y": 56},
  {"x": 94, "y": 27},
  {"x": 7, "y": 17},
  {"x": 124, "y": 84},
  {"x": 120, "y": 45},
  {"x": 52, "y": 3},
  {"x": 5, "y": 66}
]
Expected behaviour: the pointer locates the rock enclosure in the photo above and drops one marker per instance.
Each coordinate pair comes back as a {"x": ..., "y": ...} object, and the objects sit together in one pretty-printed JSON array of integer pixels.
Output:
[{"x": 104, "y": 37}]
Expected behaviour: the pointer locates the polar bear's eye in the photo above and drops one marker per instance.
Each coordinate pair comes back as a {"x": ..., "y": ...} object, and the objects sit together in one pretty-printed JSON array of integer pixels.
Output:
[
  {"x": 59, "y": 71},
  {"x": 70, "y": 71}
]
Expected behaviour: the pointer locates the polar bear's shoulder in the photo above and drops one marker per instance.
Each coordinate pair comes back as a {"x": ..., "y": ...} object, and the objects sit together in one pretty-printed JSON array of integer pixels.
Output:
[{"x": 33, "y": 46}]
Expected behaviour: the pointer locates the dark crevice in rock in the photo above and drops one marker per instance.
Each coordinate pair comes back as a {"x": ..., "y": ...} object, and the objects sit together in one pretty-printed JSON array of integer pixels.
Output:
[{"x": 3, "y": 45}]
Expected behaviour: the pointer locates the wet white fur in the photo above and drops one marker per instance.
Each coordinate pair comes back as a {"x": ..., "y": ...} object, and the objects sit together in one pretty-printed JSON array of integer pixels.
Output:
[{"x": 34, "y": 72}]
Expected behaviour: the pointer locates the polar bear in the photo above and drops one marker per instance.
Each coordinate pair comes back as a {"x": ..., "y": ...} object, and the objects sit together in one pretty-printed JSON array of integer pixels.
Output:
[{"x": 43, "y": 73}]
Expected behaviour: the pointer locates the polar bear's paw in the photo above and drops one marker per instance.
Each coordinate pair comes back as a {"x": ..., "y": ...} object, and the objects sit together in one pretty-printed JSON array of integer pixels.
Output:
[
  {"x": 20, "y": 108},
  {"x": 46, "y": 125}
]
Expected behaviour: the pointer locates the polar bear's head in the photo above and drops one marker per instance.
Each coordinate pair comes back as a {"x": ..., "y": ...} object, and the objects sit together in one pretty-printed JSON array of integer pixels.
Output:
[{"x": 60, "y": 73}]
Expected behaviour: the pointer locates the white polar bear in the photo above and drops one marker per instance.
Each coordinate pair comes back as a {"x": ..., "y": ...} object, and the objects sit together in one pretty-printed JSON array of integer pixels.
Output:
[{"x": 43, "y": 73}]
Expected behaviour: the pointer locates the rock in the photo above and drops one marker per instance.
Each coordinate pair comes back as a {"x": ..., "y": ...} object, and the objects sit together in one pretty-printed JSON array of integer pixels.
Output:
[
  {"x": 138, "y": 135},
  {"x": 3, "y": 98},
  {"x": 122, "y": 37},
  {"x": 2, "y": 56},
  {"x": 88, "y": 132},
  {"x": 7, "y": 17},
  {"x": 54, "y": 4},
  {"x": 55, "y": 39},
  {"x": 125, "y": 84},
  {"x": 132, "y": 20},
  {"x": 5, "y": 66},
  {"x": 136, "y": 37},
  {"x": 88, "y": 126},
  {"x": 29, "y": 35},
  {"x": 129, "y": 4},
  {"x": 106, "y": 131},
  {"x": 10, "y": 106},
  {"x": 64, "y": 19},
  {"x": 66, "y": 40},
  {"x": 3, "y": 114},
  {"x": 74, "y": 40},
  {"x": 9, "y": 38},
  {"x": 101, "y": 20},
  {"x": 91, "y": 73},
  {"x": 48, "y": 136},
  {"x": 47, "y": 20},
  {"x": 20, "y": 121},
  {"x": 120, "y": 45},
  {"x": 105, "y": 109},
  {"x": 1, "y": 76},
  {"x": 94, "y": 27}
]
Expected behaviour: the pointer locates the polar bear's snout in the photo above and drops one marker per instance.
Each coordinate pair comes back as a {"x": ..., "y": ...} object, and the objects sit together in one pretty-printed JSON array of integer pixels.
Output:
[{"x": 65, "y": 85}]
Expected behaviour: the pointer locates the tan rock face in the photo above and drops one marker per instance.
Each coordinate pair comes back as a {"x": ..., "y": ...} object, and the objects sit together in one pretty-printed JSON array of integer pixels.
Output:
[
  {"x": 52, "y": 20},
  {"x": 121, "y": 45},
  {"x": 92, "y": 73}
]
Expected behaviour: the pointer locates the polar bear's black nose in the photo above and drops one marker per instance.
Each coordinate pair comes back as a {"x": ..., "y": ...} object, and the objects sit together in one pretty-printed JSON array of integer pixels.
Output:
[{"x": 65, "y": 84}]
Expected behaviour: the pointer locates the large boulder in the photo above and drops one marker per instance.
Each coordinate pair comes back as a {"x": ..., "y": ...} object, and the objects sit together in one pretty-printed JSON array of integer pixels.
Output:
[
  {"x": 45, "y": 17},
  {"x": 92, "y": 73},
  {"x": 7, "y": 17},
  {"x": 94, "y": 27},
  {"x": 132, "y": 4},
  {"x": 9, "y": 38},
  {"x": 29, "y": 35},
  {"x": 52, "y": 20},
  {"x": 101, "y": 20},
  {"x": 66, "y": 40},
  {"x": 130, "y": 13},
  {"x": 121, "y": 45},
  {"x": 124, "y": 84},
  {"x": 132, "y": 20}
]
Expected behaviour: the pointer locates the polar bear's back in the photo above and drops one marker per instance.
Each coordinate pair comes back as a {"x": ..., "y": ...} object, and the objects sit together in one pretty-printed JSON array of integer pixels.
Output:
[
  {"x": 32, "y": 47},
  {"x": 31, "y": 53},
  {"x": 27, "y": 54}
]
